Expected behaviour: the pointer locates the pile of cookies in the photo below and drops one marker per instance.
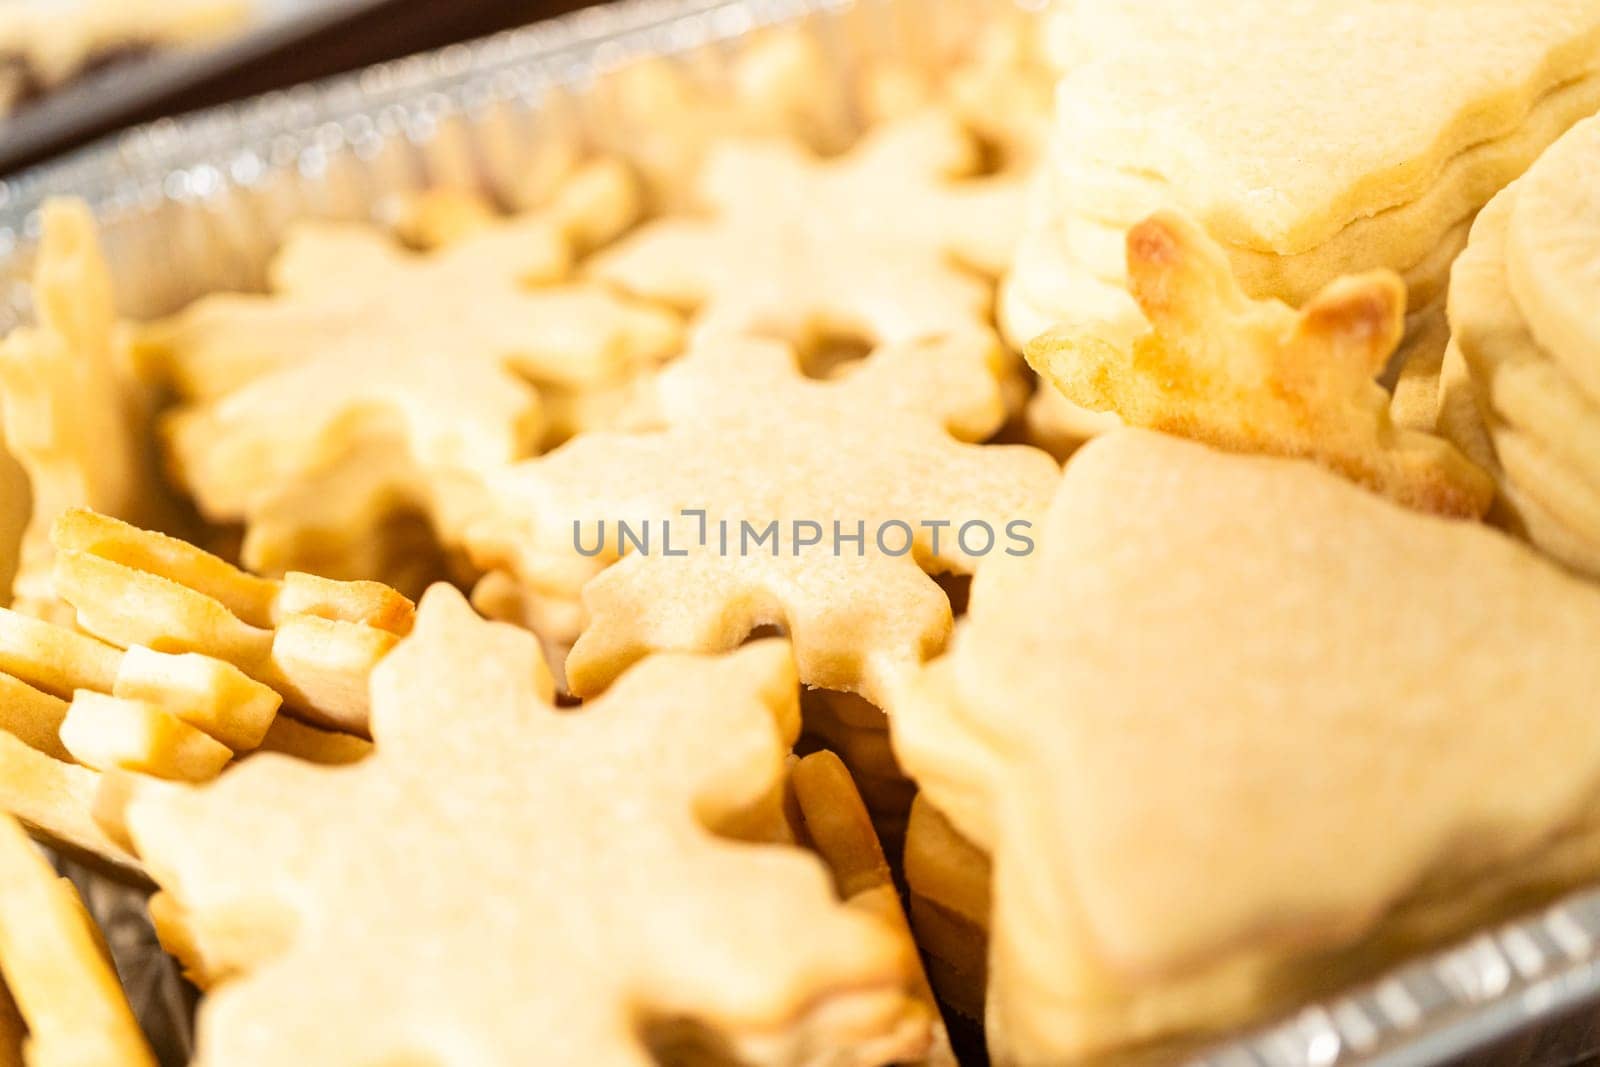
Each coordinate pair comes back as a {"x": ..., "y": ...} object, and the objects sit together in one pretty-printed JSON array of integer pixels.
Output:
[
  {"x": 1521, "y": 325},
  {"x": 1219, "y": 140},
  {"x": 1268, "y": 714},
  {"x": 644, "y": 618},
  {"x": 1419, "y": 120}
]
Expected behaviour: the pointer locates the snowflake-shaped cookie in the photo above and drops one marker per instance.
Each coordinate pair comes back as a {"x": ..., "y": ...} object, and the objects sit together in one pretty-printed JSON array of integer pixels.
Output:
[
  {"x": 1257, "y": 376},
  {"x": 751, "y": 448},
  {"x": 867, "y": 245},
  {"x": 440, "y": 354},
  {"x": 502, "y": 882}
]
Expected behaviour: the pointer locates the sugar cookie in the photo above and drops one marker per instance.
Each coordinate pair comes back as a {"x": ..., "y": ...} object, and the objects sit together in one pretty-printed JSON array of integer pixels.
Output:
[
  {"x": 605, "y": 815},
  {"x": 1256, "y": 376},
  {"x": 1094, "y": 770},
  {"x": 753, "y": 460}
]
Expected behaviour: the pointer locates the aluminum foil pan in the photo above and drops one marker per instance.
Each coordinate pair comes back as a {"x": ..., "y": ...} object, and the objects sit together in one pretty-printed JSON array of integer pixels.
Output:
[
  {"x": 101, "y": 97},
  {"x": 198, "y": 204}
]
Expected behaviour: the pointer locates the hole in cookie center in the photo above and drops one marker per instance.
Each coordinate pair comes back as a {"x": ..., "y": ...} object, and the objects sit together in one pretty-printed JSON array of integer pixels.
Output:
[{"x": 830, "y": 354}]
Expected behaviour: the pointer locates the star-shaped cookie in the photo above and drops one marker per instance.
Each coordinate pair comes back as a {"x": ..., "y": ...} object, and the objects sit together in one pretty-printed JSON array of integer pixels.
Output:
[
  {"x": 1257, "y": 376},
  {"x": 532, "y": 885},
  {"x": 863, "y": 486}
]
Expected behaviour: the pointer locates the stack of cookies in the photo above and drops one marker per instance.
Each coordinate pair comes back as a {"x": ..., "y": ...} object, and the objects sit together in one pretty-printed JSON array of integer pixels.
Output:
[
  {"x": 1522, "y": 311},
  {"x": 1208, "y": 109},
  {"x": 859, "y": 732},
  {"x": 1171, "y": 818},
  {"x": 947, "y": 885}
]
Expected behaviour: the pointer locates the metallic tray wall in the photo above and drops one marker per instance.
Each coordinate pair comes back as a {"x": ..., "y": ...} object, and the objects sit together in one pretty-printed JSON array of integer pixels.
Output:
[
  {"x": 197, "y": 204},
  {"x": 99, "y": 97}
]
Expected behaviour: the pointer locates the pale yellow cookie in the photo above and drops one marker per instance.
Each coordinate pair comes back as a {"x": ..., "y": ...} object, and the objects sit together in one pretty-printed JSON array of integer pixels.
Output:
[
  {"x": 1417, "y": 387},
  {"x": 15, "y": 504},
  {"x": 1095, "y": 770},
  {"x": 1518, "y": 379},
  {"x": 72, "y": 704},
  {"x": 854, "y": 729},
  {"x": 1047, "y": 288},
  {"x": 1257, "y": 376},
  {"x": 439, "y": 354},
  {"x": 1547, "y": 530},
  {"x": 313, "y": 640},
  {"x": 1418, "y": 238},
  {"x": 557, "y": 620},
  {"x": 651, "y": 929},
  {"x": 756, "y": 462},
  {"x": 955, "y": 951},
  {"x": 948, "y": 880},
  {"x": 1567, "y": 496},
  {"x": 57, "y": 968},
  {"x": 434, "y": 218},
  {"x": 58, "y": 663},
  {"x": 1460, "y": 417},
  {"x": 1000, "y": 83},
  {"x": 863, "y": 245},
  {"x": 290, "y": 738},
  {"x": 368, "y": 516},
  {"x": 55, "y": 800},
  {"x": 665, "y": 114},
  {"x": 1552, "y": 255},
  {"x": 944, "y": 867},
  {"x": 106, "y": 733},
  {"x": 858, "y": 733},
  {"x": 1100, "y": 248},
  {"x": 1526, "y": 396},
  {"x": 67, "y": 409},
  {"x": 1060, "y": 427},
  {"x": 118, "y": 787},
  {"x": 67, "y": 698},
  {"x": 594, "y": 201},
  {"x": 1393, "y": 91},
  {"x": 1381, "y": 185},
  {"x": 835, "y": 823}
]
